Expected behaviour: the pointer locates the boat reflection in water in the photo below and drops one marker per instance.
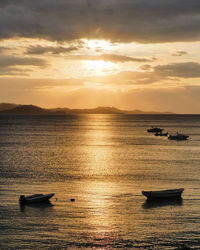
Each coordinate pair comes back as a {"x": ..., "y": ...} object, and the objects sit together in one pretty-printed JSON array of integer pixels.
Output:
[
  {"x": 148, "y": 204},
  {"x": 35, "y": 206}
]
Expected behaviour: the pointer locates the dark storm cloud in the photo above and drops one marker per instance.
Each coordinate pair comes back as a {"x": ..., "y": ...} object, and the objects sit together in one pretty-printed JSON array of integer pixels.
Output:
[
  {"x": 38, "y": 50},
  {"x": 110, "y": 58},
  {"x": 117, "y": 20}
]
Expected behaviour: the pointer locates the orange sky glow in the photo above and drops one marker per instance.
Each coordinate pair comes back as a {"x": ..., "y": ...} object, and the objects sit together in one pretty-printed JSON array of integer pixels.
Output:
[{"x": 108, "y": 56}]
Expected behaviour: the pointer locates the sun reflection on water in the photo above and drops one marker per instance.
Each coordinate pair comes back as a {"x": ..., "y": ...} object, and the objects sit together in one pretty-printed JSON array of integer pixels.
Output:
[
  {"x": 99, "y": 190},
  {"x": 98, "y": 150},
  {"x": 100, "y": 205}
]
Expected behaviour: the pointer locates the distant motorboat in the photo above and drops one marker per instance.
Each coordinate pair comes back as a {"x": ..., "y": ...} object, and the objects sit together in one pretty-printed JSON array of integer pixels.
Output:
[
  {"x": 154, "y": 130},
  {"x": 161, "y": 134},
  {"x": 35, "y": 198},
  {"x": 163, "y": 194},
  {"x": 178, "y": 137}
]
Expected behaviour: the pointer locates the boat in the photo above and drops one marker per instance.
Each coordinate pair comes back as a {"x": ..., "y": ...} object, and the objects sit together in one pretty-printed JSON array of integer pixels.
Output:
[
  {"x": 161, "y": 134},
  {"x": 35, "y": 198},
  {"x": 178, "y": 137},
  {"x": 154, "y": 130},
  {"x": 163, "y": 194}
]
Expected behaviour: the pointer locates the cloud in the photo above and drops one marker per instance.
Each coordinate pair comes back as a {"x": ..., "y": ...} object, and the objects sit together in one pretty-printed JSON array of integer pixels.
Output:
[
  {"x": 146, "y": 67},
  {"x": 110, "y": 57},
  {"x": 3, "y": 49},
  {"x": 11, "y": 84},
  {"x": 143, "y": 21},
  {"x": 7, "y": 61},
  {"x": 183, "y": 70},
  {"x": 11, "y": 71},
  {"x": 38, "y": 50},
  {"x": 9, "y": 64},
  {"x": 180, "y": 53},
  {"x": 125, "y": 78},
  {"x": 160, "y": 73}
]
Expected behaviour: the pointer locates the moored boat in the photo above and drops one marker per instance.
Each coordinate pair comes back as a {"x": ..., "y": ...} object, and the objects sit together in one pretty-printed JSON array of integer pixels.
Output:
[
  {"x": 154, "y": 130},
  {"x": 161, "y": 134},
  {"x": 35, "y": 198},
  {"x": 163, "y": 194},
  {"x": 178, "y": 137}
]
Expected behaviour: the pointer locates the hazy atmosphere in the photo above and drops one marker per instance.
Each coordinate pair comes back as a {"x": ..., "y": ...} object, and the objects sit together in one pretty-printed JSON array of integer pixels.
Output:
[
  {"x": 131, "y": 54},
  {"x": 100, "y": 124}
]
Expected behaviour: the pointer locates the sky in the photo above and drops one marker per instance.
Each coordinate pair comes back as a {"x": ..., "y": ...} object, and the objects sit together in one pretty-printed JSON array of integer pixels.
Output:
[{"x": 130, "y": 54}]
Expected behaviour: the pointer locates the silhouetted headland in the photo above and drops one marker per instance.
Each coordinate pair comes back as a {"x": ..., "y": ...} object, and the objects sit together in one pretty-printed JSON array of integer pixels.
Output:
[{"x": 7, "y": 108}]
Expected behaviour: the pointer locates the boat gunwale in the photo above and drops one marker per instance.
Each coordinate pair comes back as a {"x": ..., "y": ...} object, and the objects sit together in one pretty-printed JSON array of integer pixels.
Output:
[
  {"x": 159, "y": 194},
  {"x": 36, "y": 198}
]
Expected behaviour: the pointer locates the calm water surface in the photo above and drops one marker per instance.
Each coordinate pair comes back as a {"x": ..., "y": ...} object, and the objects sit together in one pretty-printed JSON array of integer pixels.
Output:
[{"x": 103, "y": 161}]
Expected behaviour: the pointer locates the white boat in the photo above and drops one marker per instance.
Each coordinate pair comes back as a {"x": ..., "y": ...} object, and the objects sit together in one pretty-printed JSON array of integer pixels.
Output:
[
  {"x": 167, "y": 194},
  {"x": 178, "y": 137},
  {"x": 35, "y": 198}
]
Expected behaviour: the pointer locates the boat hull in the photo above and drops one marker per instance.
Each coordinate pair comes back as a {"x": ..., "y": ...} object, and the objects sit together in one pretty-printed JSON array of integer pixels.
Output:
[
  {"x": 154, "y": 130},
  {"x": 178, "y": 137},
  {"x": 164, "y": 194},
  {"x": 161, "y": 134},
  {"x": 37, "y": 198}
]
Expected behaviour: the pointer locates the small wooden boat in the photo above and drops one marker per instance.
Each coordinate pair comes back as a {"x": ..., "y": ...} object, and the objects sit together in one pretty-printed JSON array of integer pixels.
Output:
[
  {"x": 163, "y": 194},
  {"x": 35, "y": 198}
]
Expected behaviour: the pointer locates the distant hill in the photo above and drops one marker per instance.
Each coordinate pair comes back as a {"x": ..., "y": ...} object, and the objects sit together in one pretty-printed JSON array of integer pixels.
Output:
[
  {"x": 26, "y": 109},
  {"x": 98, "y": 110},
  {"x": 7, "y": 106},
  {"x": 32, "y": 109}
]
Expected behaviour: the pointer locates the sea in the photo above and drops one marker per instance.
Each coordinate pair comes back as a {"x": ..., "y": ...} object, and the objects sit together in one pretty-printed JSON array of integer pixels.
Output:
[{"x": 102, "y": 161}]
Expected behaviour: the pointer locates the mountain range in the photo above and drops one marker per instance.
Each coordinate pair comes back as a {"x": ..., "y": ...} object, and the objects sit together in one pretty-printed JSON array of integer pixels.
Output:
[{"x": 11, "y": 108}]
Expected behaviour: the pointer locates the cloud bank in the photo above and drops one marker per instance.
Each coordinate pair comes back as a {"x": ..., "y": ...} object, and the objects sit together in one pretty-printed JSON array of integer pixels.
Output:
[
  {"x": 39, "y": 50},
  {"x": 143, "y": 21},
  {"x": 111, "y": 58},
  {"x": 10, "y": 65}
]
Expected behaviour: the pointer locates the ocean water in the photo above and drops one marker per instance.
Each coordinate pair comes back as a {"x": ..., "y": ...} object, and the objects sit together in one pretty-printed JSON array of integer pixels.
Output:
[{"x": 103, "y": 162}]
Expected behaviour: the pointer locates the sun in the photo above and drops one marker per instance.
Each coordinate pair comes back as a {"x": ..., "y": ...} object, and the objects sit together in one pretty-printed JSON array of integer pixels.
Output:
[
  {"x": 98, "y": 66},
  {"x": 98, "y": 44}
]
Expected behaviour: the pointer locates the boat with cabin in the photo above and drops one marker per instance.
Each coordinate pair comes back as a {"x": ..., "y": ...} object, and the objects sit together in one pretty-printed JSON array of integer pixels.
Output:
[{"x": 178, "y": 137}]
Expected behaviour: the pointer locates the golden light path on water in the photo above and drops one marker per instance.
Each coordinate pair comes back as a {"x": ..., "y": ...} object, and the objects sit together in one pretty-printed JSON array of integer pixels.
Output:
[
  {"x": 103, "y": 162},
  {"x": 105, "y": 213},
  {"x": 99, "y": 165}
]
